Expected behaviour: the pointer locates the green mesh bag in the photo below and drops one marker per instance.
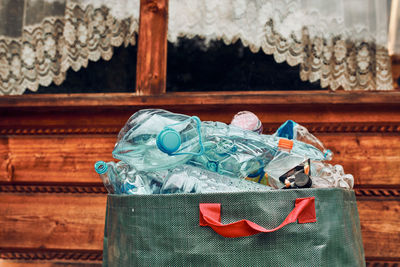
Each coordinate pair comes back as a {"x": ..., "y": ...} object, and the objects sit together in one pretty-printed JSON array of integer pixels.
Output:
[{"x": 307, "y": 227}]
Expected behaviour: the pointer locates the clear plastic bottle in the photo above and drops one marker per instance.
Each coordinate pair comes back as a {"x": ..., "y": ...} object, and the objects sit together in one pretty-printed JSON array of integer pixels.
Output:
[
  {"x": 191, "y": 179},
  {"x": 295, "y": 147},
  {"x": 327, "y": 175},
  {"x": 121, "y": 178},
  {"x": 232, "y": 151},
  {"x": 283, "y": 161},
  {"x": 155, "y": 139},
  {"x": 292, "y": 130},
  {"x": 106, "y": 175}
]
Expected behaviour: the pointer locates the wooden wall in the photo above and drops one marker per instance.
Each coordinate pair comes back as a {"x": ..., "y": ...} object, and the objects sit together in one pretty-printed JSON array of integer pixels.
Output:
[{"x": 52, "y": 203}]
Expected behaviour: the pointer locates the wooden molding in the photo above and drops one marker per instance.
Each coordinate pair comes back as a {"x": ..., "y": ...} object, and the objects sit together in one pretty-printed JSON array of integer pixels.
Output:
[
  {"x": 286, "y": 98},
  {"x": 32, "y": 254},
  {"x": 50, "y": 254},
  {"x": 377, "y": 192},
  {"x": 98, "y": 188},
  {"x": 83, "y": 188},
  {"x": 382, "y": 262},
  {"x": 343, "y": 127},
  {"x": 269, "y": 128},
  {"x": 58, "y": 131}
]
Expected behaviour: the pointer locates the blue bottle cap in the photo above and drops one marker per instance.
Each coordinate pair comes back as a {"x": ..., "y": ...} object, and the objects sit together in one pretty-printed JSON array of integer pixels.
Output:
[
  {"x": 101, "y": 167},
  {"x": 168, "y": 141},
  {"x": 286, "y": 130}
]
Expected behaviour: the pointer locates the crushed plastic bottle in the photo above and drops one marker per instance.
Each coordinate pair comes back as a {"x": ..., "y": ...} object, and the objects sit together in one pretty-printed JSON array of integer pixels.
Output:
[
  {"x": 295, "y": 147},
  {"x": 248, "y": 121},
  {"x": 190, "y": 179},
  {"x": 106, "y": 175},
  {"x": 156, "y": 139},
  {"x": 292, "y": 130},
  {"x": 327, "y": 175},
  {"x": 120, "y": 178},
  {"x": 232, "y": 151}
]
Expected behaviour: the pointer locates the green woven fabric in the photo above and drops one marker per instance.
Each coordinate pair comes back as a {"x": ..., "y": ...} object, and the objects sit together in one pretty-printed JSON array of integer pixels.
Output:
[{"x": 163, "y": 230}]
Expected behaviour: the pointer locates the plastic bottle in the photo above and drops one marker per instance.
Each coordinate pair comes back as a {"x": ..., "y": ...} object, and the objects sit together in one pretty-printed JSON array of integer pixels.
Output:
[
  {"x": 327, "y": 175},
  {"x": 120, "y": 178},
  {"x": 295, "y": 147},
  {"x": 232, "y": 151},
  {"x": 248, "y": 121},
  {"x": 292, "y": 130},
  {"x": 155, "y": 139},
  {"x": 282, "y": 163},
  {"x": 106, "y": 175},
  {"x": 191, "y": 179},
  {"x": 158, "y": 139}
]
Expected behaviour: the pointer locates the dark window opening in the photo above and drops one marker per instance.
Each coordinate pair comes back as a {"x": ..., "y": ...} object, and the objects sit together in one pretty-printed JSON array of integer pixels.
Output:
[
  {"x": 193, "y": 66},
  {"x": 118, "y": 75}
]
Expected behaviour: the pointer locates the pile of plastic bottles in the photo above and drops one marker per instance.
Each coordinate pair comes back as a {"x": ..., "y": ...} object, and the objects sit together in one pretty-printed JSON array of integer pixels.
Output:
[{"x": 160, "y": 152}]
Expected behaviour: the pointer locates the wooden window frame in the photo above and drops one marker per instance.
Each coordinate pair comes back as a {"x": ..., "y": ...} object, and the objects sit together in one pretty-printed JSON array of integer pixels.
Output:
[{"x": 151, "y": 76}]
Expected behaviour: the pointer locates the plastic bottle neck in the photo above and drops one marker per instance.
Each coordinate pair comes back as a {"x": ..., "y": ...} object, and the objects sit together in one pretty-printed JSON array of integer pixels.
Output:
[{"x": 101, "y": 167}]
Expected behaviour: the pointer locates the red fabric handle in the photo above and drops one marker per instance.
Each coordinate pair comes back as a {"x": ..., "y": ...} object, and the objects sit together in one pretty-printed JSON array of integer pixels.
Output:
[{"x": 210, "y": 215}]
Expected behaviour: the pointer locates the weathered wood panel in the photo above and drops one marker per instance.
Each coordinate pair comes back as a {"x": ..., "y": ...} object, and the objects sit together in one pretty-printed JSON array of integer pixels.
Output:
[
  {"x": 54, "y": 158},
  {"x": 204, "y": 99},
  {"x": 52, "y": 221},
  {"x": 151, "y": 70},
  {"x": 380, "y": 229},
  {"x": 372, "y": 159}
]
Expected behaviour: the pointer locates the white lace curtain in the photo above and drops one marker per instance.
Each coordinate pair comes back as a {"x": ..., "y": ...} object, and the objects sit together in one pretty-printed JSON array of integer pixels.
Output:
[{"x": 341, "y": 43}]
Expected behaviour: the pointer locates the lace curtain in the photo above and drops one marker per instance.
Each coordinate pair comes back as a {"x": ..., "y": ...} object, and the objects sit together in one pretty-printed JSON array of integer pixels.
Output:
[
  {"x": 341, "y": 43},
  {"x": 41, "y": 39}
]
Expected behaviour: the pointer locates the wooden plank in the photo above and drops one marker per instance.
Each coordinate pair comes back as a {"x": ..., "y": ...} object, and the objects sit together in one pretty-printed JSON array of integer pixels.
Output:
[
  {"x": 372, "y": 159},
  {"x": 66, "y": 221},
  {"x": 105, "y": 119},
  {"x": 380, "y": 229},
  {"x": 287, "y": 98},
  {"x": 62, "y": 221},
  {"x": 6, "y": 168},
  {"x": 67, "y": 159},
  {"x": 151, "y": 68}
]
